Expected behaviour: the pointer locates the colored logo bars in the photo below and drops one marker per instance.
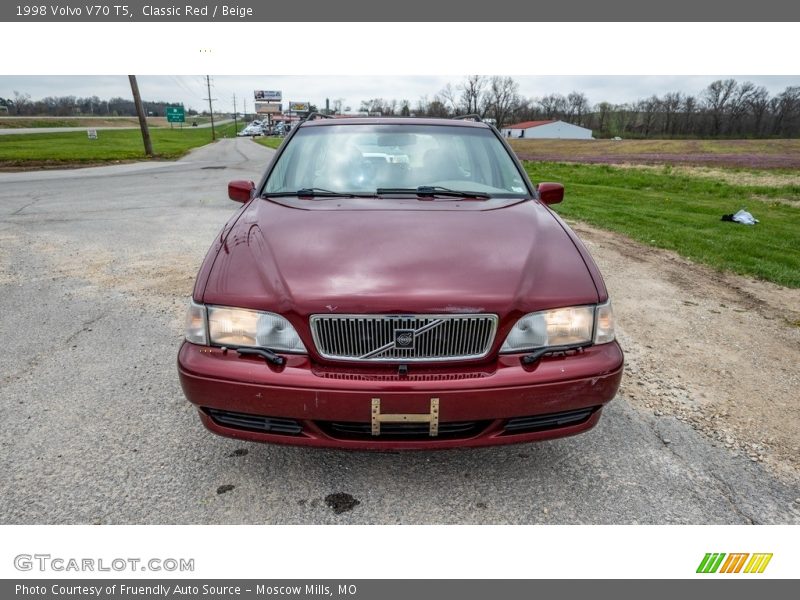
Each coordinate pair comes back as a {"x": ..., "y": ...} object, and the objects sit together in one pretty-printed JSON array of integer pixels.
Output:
[{"x": 733, "y": 563}]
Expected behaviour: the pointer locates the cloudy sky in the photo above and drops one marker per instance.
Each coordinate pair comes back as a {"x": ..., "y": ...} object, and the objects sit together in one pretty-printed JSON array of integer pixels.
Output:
[{"x": 191, "y": 89}]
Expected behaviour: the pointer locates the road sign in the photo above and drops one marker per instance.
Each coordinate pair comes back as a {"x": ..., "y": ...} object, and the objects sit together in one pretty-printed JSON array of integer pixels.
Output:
[{"x": 176, "y": 114}]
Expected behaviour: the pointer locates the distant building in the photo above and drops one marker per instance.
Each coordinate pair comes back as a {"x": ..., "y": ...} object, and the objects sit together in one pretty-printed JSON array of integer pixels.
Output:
[{"x": 547, "y": 130}]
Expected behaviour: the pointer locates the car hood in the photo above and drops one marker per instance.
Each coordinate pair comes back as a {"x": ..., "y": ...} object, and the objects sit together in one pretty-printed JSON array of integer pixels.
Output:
[{"x": 304, "y": 257}]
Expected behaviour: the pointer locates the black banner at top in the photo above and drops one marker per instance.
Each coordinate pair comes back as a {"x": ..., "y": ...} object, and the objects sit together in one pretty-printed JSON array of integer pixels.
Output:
[{"x": 408, "y": 10}]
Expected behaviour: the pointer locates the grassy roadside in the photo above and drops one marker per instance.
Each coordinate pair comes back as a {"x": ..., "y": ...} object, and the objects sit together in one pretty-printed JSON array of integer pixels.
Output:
[
  {"x": 75, "y": 148},
  {"x": 269, "y": 142},
  {"x": 88, "y": 122},
  {"x": 677, "y": 210}
]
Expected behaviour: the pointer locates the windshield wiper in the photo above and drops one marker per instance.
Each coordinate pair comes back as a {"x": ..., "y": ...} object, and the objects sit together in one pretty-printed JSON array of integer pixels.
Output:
[
  {"x": 310, "y": 193},
  {"x": 434, "y": 190}
]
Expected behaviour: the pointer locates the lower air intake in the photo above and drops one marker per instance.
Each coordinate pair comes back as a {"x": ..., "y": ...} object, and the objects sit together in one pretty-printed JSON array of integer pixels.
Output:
[
  {"x": 550, "y": 421},
  {"x": 401, "y": 431},
  {"x": 254, "y": 422}
]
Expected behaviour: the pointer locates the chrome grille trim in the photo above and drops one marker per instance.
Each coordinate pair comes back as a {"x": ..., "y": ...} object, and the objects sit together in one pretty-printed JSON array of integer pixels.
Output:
[{"x": 370, "y": 338}]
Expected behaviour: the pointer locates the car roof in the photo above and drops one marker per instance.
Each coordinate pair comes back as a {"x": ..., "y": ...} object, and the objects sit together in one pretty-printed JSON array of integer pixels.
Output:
[{"x": 392, "y": 121}]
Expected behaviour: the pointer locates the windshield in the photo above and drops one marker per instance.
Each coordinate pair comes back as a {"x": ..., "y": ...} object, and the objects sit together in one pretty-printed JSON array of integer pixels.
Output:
[{"x": 360, "y": 159}]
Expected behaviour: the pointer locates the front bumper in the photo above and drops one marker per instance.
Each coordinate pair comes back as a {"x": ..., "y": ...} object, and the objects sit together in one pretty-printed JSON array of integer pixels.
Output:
[{"x": 313, "y": 405}]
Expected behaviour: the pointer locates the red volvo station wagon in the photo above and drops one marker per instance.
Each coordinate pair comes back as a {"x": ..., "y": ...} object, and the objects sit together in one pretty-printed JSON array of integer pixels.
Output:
[{"x": 398, "y": 284}]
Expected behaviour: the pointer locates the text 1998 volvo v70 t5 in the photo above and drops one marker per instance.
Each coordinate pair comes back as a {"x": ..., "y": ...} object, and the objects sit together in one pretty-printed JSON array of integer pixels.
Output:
[{"x": 398, "y": 284}]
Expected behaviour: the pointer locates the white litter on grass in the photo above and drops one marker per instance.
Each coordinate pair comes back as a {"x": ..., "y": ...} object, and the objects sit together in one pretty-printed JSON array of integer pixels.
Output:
[{"x": 745, "y": 218}]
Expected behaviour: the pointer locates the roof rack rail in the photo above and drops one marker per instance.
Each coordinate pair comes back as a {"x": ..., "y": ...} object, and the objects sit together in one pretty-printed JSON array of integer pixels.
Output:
[
  {"x": 472, "y": 116},
  {"x": 316, "y": 115}
]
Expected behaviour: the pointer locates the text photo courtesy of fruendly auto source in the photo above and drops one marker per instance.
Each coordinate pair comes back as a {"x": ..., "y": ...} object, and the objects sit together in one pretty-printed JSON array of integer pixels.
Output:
[{"x": 468, "y": 299}]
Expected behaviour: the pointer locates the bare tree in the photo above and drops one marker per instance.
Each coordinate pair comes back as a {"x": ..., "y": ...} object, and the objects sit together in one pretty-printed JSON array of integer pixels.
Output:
[
  {"x": 503, "y": 97},
  {"x": 786, "y": 110},
  {"x": 577, "y": 107},
  {"x": 690, "y": 107},
  {"x": 648, "y": 112},
  {"x": 21, "y": 102},
  {"x": 603, "y": 111},
  {"x": 717, "y": 97},
  {"x": 472, "y": 94},
  {"x": 450, "y": 98},
  {"x": 438, "y": 108},
  {"x": 553, "y": 106},
  {"x": 671, "y": 104},
  {"x": 759, "y": 103},
  {"x": 739, "y": 105}
]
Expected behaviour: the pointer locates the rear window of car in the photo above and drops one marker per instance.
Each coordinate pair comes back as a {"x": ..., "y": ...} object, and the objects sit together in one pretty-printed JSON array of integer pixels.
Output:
[{"x": 360, "y": 159}]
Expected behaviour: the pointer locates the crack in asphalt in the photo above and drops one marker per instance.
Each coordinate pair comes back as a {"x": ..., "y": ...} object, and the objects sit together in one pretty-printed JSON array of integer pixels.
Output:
[
  {"x": 85, "y": 327},
  {"x": 34, "y": 200},
  {"x": 723, "y": 486}
]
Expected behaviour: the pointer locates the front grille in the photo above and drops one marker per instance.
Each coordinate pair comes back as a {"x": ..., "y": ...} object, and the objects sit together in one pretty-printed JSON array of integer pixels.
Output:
[
  {"x": 550, "y": 421},
  {"x": 403, "y": 338},
  {"x": 254, "y": 422},
  {"x": 401, "y": 431}
]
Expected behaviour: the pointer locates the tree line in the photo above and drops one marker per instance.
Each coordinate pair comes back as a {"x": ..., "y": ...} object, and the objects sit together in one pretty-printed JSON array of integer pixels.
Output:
[
  {"x": 726, "y": 108},
  {"x": 70, "y": 106}
]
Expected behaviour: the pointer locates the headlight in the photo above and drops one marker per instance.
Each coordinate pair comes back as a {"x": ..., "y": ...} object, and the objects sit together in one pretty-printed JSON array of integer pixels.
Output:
[
  {"x": 242, "y": 327},
  {"x": 571, "y": 326}
]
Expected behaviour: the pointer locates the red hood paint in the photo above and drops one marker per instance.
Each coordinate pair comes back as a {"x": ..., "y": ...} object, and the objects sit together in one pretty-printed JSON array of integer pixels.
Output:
[{"x": 303, "y": 257}]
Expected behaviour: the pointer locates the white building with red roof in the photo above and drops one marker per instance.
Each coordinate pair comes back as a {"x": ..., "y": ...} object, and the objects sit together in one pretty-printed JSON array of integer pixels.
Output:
[{"x": 551, "y": 129}]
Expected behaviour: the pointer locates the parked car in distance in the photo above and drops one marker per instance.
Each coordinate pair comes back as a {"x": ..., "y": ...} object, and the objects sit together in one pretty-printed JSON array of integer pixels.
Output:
[
  {"x": 252, "y": 129},
  {"x": 398, "y": 284}
]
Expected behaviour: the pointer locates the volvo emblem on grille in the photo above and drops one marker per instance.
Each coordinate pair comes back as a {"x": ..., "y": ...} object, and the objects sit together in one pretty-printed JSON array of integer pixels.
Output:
[{"x": 404, "y": 339}]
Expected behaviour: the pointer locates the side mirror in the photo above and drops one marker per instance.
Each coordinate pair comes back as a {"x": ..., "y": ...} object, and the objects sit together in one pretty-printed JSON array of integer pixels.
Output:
[
  {"x": 550, "y": 193},
  {"x": 241, "y": 191}
]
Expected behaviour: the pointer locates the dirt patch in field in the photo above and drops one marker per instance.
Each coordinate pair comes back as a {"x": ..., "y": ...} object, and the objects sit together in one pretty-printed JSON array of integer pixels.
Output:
[
  {"x": 742, "y": 161},
  {"x": 735, "y": 177},
  {"x": 717, "y": 351}
]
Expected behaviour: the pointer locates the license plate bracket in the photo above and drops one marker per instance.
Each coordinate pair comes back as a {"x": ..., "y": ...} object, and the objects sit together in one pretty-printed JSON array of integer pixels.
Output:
[{"x": 432, "y": 417}]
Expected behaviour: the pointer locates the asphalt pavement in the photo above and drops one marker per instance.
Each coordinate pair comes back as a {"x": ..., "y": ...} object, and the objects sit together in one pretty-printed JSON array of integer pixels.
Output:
[{"x": 96, "y": 265}]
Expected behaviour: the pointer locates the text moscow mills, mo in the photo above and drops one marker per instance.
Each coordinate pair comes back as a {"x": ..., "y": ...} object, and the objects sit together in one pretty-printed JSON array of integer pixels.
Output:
[{"x": 187, "y": 590}]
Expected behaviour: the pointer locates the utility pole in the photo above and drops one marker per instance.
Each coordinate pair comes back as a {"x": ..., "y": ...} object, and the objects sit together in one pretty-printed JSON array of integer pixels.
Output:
[
  {"x": 137, "y": 100},
  {"x": 235, "y": 122},
  {"x": 211, "y": 108},
  {"x": 245, "y": 108}
]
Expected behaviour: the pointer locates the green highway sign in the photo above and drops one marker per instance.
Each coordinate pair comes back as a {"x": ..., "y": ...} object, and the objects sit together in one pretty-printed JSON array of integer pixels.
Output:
[{"x": 175, "y": 114}]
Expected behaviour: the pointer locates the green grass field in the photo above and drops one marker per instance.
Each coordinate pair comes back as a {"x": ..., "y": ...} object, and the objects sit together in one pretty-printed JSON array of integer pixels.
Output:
[
  {"x": 269, "y": 142},
  {"x": 87, "y": 122},
  {"x": 110, "y": 145},
  {"x": 680, "y": 209}
]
